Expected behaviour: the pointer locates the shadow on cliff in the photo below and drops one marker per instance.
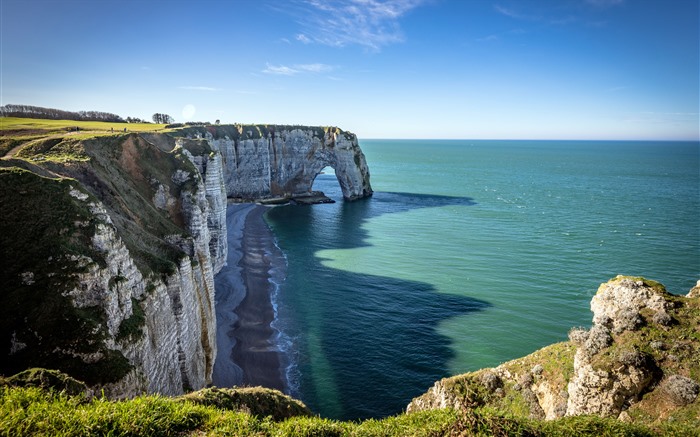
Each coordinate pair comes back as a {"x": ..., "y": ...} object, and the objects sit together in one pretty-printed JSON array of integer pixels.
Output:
[{"x": 367, "y": 344}]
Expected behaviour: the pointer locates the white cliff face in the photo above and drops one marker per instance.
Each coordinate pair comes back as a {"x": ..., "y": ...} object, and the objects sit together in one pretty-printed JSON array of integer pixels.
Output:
[
  {"x": 177, "y": 347},
  {"x": 156, "y": 202},
  {"x": 284, "y": 163},
  {"x": 174, "y": 348},
  {"x": 211, "y": 200}
]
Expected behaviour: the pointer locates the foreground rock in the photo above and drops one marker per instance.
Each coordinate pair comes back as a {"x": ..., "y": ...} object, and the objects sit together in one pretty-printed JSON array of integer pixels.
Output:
[
  {"x": 257, "y": 401},
  {"x": 638, "y": 362}
]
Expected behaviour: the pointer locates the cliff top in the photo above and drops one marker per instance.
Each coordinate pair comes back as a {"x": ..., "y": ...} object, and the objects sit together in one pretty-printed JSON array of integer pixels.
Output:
[{"x": 16, "y": 132}]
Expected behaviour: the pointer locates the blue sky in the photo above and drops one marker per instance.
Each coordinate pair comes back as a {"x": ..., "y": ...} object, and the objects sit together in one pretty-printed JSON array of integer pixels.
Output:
[{"x": 540, "y": 69}]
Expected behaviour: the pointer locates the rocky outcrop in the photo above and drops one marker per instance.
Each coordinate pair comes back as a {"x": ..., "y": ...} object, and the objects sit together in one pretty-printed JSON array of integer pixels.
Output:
[
  {"x": 638, "y": 359},
  {"x": 604, "y": 385},
  {"x": 262, "y": 162},
  {"x": 135, "y": 233}
]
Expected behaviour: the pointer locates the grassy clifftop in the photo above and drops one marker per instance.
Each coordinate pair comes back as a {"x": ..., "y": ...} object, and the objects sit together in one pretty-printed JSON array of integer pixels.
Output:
[
  {"x": 16, "y": 132},
  {"x": 523, "y": 397},
  {"x": 258, "y": 412}
]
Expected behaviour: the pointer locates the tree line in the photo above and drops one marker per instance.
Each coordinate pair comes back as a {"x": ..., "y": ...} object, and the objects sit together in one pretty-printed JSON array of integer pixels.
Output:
[
  {"x": 159, "y": 118},
  {"x": 27, "y": 111}
]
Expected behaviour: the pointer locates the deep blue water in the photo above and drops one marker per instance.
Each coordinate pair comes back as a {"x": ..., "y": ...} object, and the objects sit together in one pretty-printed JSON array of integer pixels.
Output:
[{"x": 472, "y": 253}]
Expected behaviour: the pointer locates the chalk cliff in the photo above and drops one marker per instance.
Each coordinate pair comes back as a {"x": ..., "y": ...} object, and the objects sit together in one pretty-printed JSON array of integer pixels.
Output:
[
  {"x": 266, "y": 161},
  {"x": 123, "y": 239},
  {"x": 109, "y": 245}
]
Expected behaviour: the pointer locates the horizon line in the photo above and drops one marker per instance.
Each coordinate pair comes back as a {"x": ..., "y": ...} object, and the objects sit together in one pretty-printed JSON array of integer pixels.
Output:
[{"x": 697, "y": 140}]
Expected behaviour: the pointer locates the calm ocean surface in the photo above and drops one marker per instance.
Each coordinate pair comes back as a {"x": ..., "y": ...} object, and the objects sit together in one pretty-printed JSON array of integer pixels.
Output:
[{"x": 472, "y": 253}]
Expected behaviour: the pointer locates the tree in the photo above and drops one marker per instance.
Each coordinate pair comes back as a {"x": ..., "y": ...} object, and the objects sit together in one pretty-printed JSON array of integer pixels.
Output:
[
  {"x": 27, "y": 111},
  {"x": 162, "y": 118}
]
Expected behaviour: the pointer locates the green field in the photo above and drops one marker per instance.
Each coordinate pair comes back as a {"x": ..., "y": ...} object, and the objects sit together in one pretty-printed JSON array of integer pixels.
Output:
[
  {"x": 31, "y": 124},
  {"x": 16, "y": 131}
]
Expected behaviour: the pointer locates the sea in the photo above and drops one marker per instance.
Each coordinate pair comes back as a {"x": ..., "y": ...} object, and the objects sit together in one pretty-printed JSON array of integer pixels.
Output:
[{"x": 470, "y": 254}]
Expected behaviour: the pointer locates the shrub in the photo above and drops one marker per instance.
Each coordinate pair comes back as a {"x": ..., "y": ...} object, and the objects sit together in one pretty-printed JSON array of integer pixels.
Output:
[{"x": 681, "y": 390}]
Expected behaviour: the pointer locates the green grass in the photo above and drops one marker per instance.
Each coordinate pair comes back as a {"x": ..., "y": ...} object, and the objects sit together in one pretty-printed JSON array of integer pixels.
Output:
[
  {"x": 35, "y": 411},
  {"x": 28, "y": 124},
  {"x": 15, "y": 131}
]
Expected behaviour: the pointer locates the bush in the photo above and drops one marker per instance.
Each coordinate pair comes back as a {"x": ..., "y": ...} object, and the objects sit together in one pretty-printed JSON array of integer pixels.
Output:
[
  {"x": 681, "y": 390},
  {"x": 598, "y": 339}
]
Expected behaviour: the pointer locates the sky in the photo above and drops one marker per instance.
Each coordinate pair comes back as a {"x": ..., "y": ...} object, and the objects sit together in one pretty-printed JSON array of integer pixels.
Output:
[{"x": 463, "y": 69}]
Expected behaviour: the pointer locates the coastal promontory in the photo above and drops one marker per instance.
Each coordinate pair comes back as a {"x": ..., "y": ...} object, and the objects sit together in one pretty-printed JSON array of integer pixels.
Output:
[{"x": 110, "y": 241}]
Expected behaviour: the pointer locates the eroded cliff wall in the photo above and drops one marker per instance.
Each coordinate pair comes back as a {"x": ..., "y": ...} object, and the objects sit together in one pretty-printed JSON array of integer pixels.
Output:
[
  {"x": 110, "y": 244},
  {"x": 112, "y": 280},
  {"x": 262, "y": 161}
]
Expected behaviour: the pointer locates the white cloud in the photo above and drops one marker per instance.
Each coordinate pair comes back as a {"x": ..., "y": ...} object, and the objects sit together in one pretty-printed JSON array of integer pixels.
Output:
[
  {"x": 315, "y": 68},
  {"x": 280, "y": 69},
  {"x": 285, "y": 70},
  {"x": 368, "y": 23},
  {"x": 188, "y": 111},
  {"x": 303, "y": 38}
]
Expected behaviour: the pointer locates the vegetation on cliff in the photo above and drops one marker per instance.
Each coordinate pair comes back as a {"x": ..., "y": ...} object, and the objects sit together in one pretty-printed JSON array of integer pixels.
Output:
[
  {"x": 44, "y": 245},
  {"x": 513, "y": 399},
  {"x": 258, "y": 412},
  {"x": 59, "y": 186},
  {"x": 638, "y": 364}
]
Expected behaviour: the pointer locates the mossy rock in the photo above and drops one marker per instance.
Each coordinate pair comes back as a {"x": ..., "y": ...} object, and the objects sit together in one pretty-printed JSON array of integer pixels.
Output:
[
  {"x": 50, "y": 380},
  {"x": 257, "y": 401}
]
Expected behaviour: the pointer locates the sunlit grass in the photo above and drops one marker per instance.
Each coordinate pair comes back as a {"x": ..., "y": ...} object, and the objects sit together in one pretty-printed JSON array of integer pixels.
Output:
[
  {"x": 16, "y": 123},
  {"x": 33, "y": 411}
]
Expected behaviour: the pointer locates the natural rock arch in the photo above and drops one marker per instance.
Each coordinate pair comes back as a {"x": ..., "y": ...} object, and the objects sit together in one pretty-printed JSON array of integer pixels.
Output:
[{"x": 264, "y": 162}]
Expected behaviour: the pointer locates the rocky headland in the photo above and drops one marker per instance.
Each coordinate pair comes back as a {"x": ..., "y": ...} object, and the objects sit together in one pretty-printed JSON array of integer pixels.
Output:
[
  {"x": 638, "y": 363},
  {"x": 109, "y": 243}
]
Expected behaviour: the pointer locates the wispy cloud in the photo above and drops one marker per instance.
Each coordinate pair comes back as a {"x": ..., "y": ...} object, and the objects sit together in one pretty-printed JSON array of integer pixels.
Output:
[
  {"x": 198, "y": 88},
  {"x": 512, "y": 13},
  {"x": 544, "y": 16},
  {"x": 372, "y": 24},
  {"x": 280, "y": 69},
  {"x": 303, "y": 38},
  {"x": 285, "y": 70},
  {"x": 605, "y": 3},
  {"x": 489, "y": 38},
  {"x": 494, "y": 37}
]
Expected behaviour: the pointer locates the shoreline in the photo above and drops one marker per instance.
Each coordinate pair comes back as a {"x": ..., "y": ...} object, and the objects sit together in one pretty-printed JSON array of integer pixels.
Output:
[{"x": 247, "y": 349}]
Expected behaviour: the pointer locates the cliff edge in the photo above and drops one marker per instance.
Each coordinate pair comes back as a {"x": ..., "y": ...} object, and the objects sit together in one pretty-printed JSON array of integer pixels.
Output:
[
  {"x": 638, "y": 363},
  {"x": 109, "y": 243}
]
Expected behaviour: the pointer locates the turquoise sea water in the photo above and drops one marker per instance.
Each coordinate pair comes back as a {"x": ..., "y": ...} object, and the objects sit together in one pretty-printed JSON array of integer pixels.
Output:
[{"x": 472, "y": 253}]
